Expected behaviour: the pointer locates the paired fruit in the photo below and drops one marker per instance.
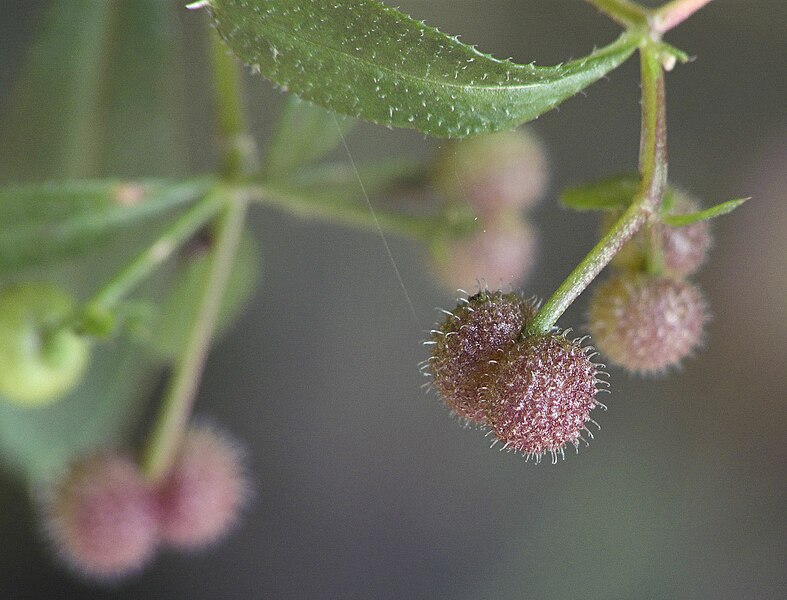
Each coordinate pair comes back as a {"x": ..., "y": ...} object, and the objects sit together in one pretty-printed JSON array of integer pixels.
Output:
[
  {"x": 491, "y": 180},
  {"x": 106, "y": 521},
  {"x": 535, "y": 392}
]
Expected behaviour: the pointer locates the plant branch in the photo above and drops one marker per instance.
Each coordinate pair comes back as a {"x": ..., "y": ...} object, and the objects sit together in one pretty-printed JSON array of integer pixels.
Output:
[
  {"x": 175, "y": 411},
  {"x": 346, "y": 212},
  {"x": 653, "y": 182},
  {"x": 624, "y": 12},
  {"x": 238, "y": 146},
  {"x": 151, "y": 258},
  {"x": 674, "y": 13},
  {"x": 181, "y": 390}
]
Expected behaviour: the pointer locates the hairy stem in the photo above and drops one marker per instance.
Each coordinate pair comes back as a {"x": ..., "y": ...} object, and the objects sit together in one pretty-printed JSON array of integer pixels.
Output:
[
  {"x": 348, "y": 212},
  {"x": 674, "y": 13},
  {"x": 624, "y": 12},
  {"x": 175, "y": 411},
  {"x": 181, "y": 390},
  {"x": 238, "y": 145},
  {"x": 152, "y": 257},
  {"x": 653, "y": 181}
]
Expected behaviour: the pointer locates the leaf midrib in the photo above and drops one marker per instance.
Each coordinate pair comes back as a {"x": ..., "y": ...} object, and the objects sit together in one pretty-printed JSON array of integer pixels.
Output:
[{"x": 423, "y": 80}]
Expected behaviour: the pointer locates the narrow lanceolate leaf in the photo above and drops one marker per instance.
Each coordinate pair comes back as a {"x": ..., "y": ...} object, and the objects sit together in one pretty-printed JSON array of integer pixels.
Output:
[
  {"x": 703, "y": 215},
  {"x": 305, "y": 134},
  {"x": 49, "y": 128},
  {"x": 39, "y": 222},
  {"x": 362, "y": 58},
  {"x": 99, "y": 93},
  {"x": 374, "y": 177},
  {"x": 338, "y": 193},
  {"x": 608, "y": 194}
]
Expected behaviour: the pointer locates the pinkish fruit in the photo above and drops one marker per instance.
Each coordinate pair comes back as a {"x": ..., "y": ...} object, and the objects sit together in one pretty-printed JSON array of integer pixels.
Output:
[
  {"x": 479, "y": 330},
  {"x": 493, "y": 173},
  {"x": 102, "y": 517},
  {"x": 202, "y": 496},
  {"x": 646, "y": 324},
  {"x": 683, "y": 249},
  {"x": 502, "y": 253},
  {"x": 540, "y": 395}
]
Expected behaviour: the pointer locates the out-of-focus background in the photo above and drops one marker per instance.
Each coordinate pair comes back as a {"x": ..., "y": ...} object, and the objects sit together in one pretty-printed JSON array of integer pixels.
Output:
[{"x": 365, "y": 487}]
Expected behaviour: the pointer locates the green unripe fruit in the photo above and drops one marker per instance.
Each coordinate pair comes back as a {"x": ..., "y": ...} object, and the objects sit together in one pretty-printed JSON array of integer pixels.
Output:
[{"x": 39, "y": 358}]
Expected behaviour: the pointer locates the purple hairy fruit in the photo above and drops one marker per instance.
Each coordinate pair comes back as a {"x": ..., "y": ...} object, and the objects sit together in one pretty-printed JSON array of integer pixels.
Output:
[
  {"x": 540, "y": 395},
  {"x": 479, "y": 331},
  {"x": 646, "y": 324}
]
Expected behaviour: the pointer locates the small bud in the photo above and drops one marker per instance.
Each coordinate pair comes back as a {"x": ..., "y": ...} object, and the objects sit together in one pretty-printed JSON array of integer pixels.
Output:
[
  {"x": 502, "y": 253},
  {"x": 646, "y": 324},
  {"x": 493, "y": 172},
  {"x": 102, "y": 518},
  {"x": 203, "y": 494},
  {"x": 40, "y": 357},
  {"x": 479, "y": 330},
  {"x": 540, "y": 395},
  {"x": 683, "y": 249}
]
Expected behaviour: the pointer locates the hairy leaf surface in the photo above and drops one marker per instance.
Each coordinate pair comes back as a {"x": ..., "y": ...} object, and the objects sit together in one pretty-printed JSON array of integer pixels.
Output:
[
  {"x": 306, "y": 133},
  {"x": 365, "y": 59}
]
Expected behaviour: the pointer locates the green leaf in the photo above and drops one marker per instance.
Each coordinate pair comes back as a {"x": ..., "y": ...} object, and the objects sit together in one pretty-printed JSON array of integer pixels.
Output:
[
  {"x": 47, "y": 132},
  {"x": 703, "y": 215},
  {"x": 174, "y": 316},
  {"x": 141, "y": 129},
  {"x": 334, "y": 193},
  {"x": 341, "y": 179},
  {"x": 365, "y": 59},
  {"x": 608, "y": 194},
  {"x": 37, "y": 442},
  {"x": 328, "y": 190},
  {"x": 306, "y": 133},
  {"x": 41, "y": 222},
  {"x": 99, "y": 93}
]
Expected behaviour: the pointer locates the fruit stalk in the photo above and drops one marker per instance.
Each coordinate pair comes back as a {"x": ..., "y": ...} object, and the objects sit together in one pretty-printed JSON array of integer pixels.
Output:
[
  {"x": 653, "y": 181},
  {"x": 172, "y": 421},
  {"x": 181, "y": 390}
]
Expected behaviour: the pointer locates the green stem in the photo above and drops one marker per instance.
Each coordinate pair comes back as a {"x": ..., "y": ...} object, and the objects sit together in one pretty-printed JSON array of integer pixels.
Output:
[
  {"x": 346, "y": 212},
  {"x": 175, "y": 412},
  {"x": 238, "y": 145},
  {"x": 674, "y": 13},
  {"x": 624, "y": 12},
  {"x": 141, "y": 267},
  {"x": 653, "y": 181},
  {"x": 181, "y": 390}
]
